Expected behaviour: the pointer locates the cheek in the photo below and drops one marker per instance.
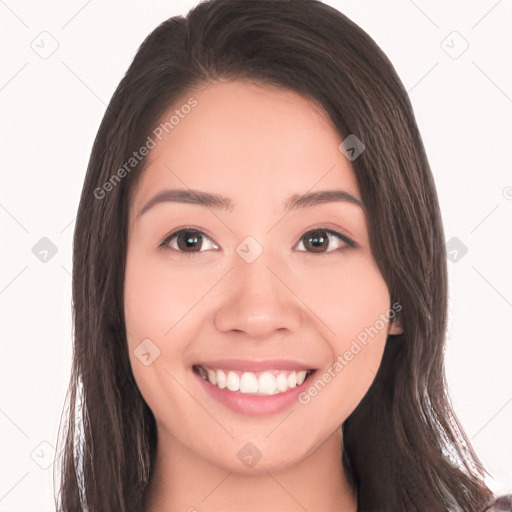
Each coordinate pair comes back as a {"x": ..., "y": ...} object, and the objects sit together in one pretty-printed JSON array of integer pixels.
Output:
[
  {"x": 155, "y": 299},
  {"x": 347, "y": 294},
  {"x": 152, "y": 303},
  {"x": 342, "y": 297},
  {"x": 353, "y": 303},
  {"x": 162, "y": 302},
  {"x": 158, "y": 294}
]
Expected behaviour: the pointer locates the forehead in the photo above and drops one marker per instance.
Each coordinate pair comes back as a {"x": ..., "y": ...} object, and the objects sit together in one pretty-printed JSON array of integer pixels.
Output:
[{"x": 252, "y": 143}]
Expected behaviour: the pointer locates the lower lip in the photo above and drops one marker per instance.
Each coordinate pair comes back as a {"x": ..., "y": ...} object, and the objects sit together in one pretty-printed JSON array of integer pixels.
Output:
[{"x": 253, "y": 405}]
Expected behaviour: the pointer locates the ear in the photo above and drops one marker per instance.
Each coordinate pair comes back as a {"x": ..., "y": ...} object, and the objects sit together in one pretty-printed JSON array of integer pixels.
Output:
[{"x": 395, "y": 328}]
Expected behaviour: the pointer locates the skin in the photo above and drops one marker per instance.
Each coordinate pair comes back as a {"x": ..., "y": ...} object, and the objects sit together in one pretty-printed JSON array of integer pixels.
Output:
[{"x": 256, "y": 145}]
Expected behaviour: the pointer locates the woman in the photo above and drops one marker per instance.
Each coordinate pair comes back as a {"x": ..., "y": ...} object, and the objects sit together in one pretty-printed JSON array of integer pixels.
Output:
[{"x": 259, "y": 280}]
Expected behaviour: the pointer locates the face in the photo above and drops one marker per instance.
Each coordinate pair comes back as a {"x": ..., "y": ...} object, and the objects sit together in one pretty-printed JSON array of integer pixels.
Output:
[{"x": 253, "y": 287}]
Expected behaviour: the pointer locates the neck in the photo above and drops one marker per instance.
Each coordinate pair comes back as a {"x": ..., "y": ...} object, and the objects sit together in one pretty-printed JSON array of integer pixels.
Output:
[{"x": 182, "y": 481}]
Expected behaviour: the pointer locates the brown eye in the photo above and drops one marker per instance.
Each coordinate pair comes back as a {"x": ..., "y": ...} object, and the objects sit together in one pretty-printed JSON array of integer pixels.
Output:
[
  {"x": 319, "y": 241},
  {"x": 187, "y": 241},
  {"x": 316, "y": 241}
]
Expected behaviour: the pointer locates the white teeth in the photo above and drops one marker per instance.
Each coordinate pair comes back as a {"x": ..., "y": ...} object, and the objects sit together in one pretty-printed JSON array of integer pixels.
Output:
[
  {"x": 221, "y": 379},
  {"x": 248, "y": 383},
  {"x": 267, "y": 384},
  {"x": 233, "y": 381},
  {"x": 281, "y": 382},
  {"x": 211, "y": 376},
  {"x": 270, "y": 382},
  {"x": 300, "y": 377}
]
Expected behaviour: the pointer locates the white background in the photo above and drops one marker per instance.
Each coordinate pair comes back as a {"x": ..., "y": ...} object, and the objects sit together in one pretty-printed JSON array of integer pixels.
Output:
[{"x": 52, "y": 108}]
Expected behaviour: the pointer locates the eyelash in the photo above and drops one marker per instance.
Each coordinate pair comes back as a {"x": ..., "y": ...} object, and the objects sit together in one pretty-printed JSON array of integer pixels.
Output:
[{"x": 164, "y": 245}]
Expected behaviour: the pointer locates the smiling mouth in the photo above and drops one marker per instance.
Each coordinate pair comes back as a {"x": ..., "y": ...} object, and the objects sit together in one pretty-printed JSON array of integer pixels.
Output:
[{"x": 263, "y": 383}]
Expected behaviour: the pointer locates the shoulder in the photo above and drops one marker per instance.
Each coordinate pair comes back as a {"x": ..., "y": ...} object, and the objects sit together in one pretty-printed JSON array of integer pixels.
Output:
[{"x": 502, "y": 504}]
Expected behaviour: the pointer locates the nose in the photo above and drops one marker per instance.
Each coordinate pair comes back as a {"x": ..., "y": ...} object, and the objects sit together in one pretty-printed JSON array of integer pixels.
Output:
[{"x": 258, "y": 301}]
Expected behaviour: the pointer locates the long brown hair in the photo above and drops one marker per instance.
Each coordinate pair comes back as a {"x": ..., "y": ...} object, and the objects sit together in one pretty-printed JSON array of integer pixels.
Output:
[{"x": 403, "y": 446}]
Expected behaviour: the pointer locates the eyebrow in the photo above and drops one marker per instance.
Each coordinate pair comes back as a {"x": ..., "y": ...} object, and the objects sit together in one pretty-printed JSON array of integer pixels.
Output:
[{"x": 217, "y": 201}]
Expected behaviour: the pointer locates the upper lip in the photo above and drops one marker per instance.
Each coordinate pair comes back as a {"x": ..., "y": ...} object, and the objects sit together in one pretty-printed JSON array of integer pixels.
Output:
[{"x": 251, "y": 365}]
